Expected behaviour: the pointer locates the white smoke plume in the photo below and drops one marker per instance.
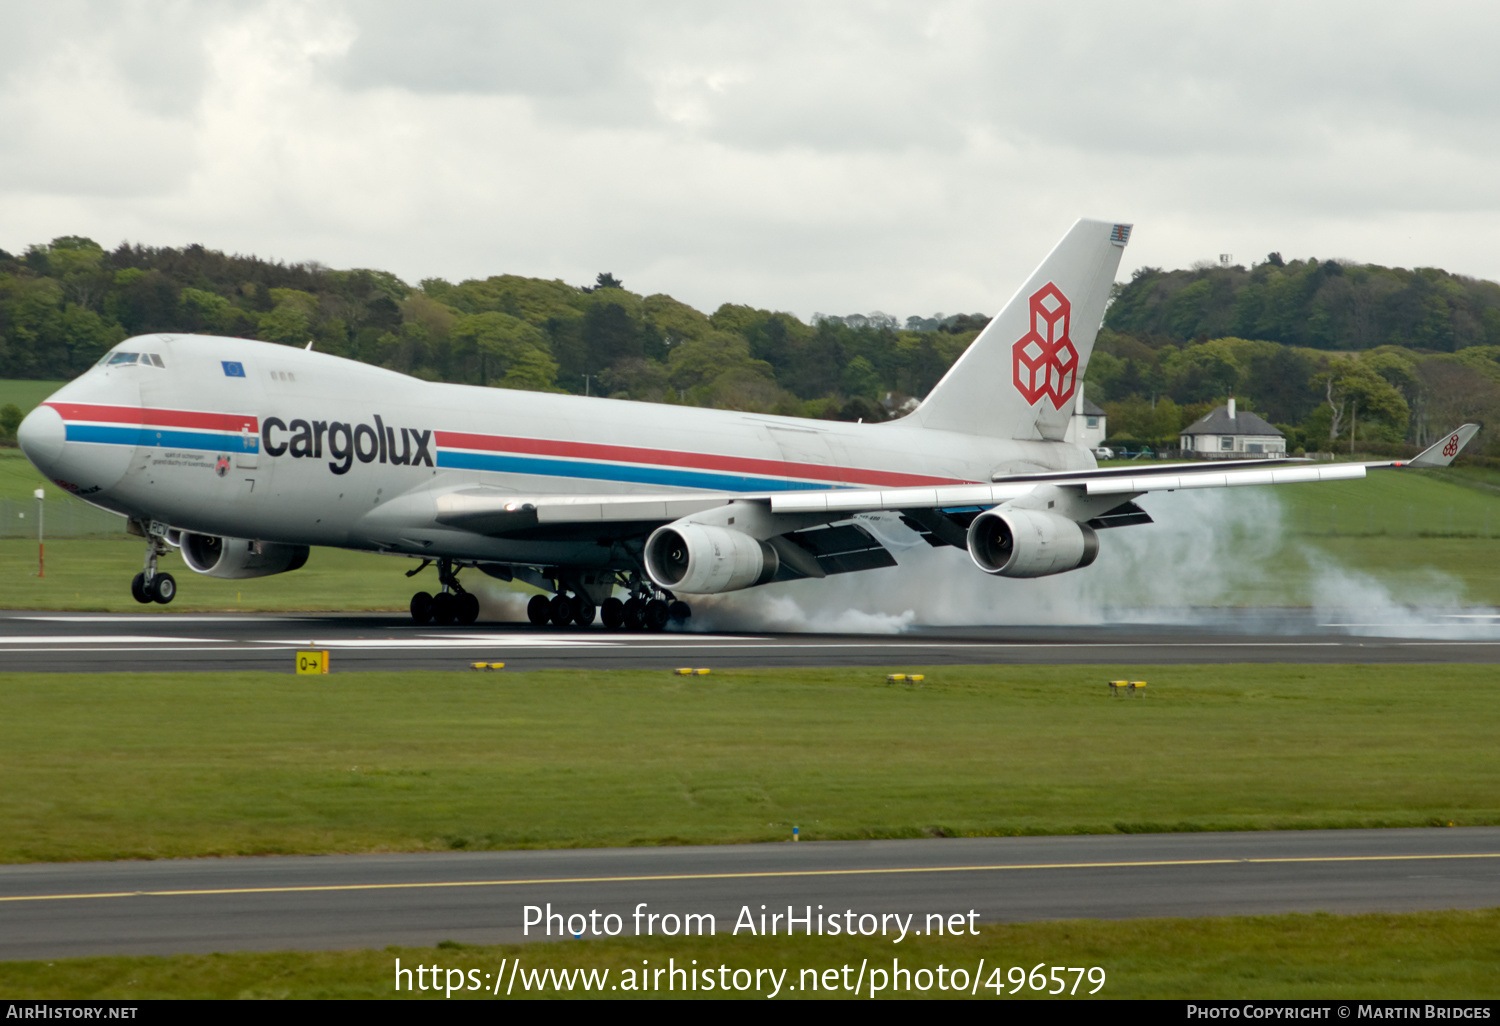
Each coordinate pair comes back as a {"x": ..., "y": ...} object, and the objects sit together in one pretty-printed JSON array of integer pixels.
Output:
[
  {"x": 1209, "y": 553},
  {"x": 1207, "y": 550}
]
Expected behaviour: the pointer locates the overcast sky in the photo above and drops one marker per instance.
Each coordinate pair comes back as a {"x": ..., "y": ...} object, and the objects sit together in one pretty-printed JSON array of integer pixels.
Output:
[{"x": 909, "y": 157}]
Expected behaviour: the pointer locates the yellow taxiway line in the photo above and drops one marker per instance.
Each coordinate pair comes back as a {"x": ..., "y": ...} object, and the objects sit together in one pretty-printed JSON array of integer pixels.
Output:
[{"x": 748, "y": 875}]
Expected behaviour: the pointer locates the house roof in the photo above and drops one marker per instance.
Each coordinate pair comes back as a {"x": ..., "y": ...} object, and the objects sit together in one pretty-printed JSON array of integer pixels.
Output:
[
  {"x": 1092, "y": 408},
  {"x": 1220, "y": 423}
]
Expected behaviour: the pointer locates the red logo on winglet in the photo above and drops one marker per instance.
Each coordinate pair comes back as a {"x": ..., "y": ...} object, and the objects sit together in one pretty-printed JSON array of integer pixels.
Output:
[
  {"x": 1044, "y": 359},
  {"x": 1451, "y": 449}
]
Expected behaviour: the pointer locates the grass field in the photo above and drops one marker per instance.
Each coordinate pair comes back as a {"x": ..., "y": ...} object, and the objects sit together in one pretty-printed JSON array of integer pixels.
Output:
[
  {"x": 94, "y": 574},
  {"x": 1451, "y": 955},
  {"x": 148, "y": 766},
  {"x": 26, "y": 394}
]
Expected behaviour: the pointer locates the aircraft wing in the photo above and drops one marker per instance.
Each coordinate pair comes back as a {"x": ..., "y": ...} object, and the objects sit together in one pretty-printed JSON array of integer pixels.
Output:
[
  {"x": 495, "y": 511},
  {"x": 1114, "y": 481}
]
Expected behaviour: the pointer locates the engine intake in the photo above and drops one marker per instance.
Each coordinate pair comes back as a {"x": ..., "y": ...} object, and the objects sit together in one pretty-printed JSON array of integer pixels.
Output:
[
  {"x": 1030, "y": 543},
  {"x": 697, "y": 559},
  {"x": 237, "y": 558}
]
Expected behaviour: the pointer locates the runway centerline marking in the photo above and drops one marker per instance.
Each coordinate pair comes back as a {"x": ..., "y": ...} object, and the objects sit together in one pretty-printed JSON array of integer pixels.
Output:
[{"x": 748, "y": 875}]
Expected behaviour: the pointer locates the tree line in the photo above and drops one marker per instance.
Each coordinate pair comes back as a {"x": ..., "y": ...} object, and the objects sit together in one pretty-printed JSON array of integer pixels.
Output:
[
  {"x": 1333, "y": 354},
  {"x": 65, "y": 303}
]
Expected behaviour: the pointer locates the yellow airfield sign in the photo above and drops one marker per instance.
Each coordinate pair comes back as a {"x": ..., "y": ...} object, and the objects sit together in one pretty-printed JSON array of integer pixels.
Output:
[{"x": 312, "y": 662}]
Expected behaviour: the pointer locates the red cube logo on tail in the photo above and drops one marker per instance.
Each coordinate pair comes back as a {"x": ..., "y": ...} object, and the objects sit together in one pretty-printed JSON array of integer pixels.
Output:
[{"x": 1044, "y": 359}]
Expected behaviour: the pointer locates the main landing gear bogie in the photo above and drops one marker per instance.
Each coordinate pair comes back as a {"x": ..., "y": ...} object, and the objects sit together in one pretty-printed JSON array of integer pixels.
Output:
[
  {"x": 561, "y": 610},
  {"x": 639, "y": 613},
  {"x": 451, "y": 605},
  {"x": 445, "y": 608},
  {"x": 571, "y": 604}
]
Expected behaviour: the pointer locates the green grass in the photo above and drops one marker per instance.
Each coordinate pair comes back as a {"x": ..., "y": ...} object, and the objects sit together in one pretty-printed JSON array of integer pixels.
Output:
[
  {"x": 1398, "y": 503},
  {"x": 94, "y": 575},
  {"x": 1432, "y": 955},
  {"x": 168, "y": 765},
  {"x": 26, "y": 394}
]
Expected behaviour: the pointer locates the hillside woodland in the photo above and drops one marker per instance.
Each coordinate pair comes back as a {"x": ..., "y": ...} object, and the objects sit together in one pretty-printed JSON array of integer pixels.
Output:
[{"x": 1340, "y": 356}]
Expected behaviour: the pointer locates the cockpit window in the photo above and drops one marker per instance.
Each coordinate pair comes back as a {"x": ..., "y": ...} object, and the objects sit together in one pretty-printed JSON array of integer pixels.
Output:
[
  {"x": 124, "y": 358},
  {"x": 156, "y": 360}
]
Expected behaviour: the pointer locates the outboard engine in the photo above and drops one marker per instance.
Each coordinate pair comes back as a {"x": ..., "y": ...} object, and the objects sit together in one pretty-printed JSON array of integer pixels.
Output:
[
  {"x": 237, "y": 558},
  {"x": 1029, "y": 543},
  {"x": 701, "y": 560}
]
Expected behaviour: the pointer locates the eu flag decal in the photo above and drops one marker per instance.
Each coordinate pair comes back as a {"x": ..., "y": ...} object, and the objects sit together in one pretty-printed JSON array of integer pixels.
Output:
[{"x": 233, "y": 368}]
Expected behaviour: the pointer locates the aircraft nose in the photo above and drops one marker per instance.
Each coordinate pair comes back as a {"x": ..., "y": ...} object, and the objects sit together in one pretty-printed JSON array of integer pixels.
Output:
[{"x": 41, "y": 436}]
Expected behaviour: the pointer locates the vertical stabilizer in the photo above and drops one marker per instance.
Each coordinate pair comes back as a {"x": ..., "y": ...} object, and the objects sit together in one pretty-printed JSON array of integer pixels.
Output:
[{"x": 1018, "y": 379}]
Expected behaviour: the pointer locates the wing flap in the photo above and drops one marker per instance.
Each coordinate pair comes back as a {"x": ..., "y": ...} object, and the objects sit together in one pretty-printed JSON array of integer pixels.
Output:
[
  {"x": 843, "y": 548},
  {"x": 490, "y": 511}
]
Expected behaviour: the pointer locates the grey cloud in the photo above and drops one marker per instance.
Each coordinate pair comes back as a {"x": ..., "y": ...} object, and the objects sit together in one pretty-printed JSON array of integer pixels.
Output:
[
  {"x": 850, "y": 77},
  {"x": 155, "y": 52},
  {"x": 561, "y": 51}
]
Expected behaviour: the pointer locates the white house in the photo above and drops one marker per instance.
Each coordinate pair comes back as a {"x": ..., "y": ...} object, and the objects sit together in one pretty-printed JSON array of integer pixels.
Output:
[
  {"x": 1086, "y": 425},
  {"x": 1227, "y": 434}
]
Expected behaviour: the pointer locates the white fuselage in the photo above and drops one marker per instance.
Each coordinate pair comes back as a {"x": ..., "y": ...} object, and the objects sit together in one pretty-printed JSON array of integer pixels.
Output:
[{"x": 255, "y": 440}]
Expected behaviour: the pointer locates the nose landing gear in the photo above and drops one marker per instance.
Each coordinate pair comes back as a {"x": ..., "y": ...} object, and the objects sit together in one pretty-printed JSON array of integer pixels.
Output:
[{"x": 151, "y": 585}]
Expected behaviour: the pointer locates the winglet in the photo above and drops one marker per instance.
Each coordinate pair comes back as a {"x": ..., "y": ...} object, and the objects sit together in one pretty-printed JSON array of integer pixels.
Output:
[{"x": 1441, "y": 453}]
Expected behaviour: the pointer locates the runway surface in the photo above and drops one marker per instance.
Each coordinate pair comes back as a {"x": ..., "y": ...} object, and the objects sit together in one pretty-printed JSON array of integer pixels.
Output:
[
  {"x": 322, "y": 903},
  {"x": 40, "y": 641}
]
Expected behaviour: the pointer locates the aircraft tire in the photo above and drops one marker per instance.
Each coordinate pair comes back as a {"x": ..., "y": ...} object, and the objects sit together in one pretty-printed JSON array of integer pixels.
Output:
[
  {"x": 635, "y": 615},
  {"x": 539, "y": 610},
  {"x": 562, "y": 610},
  {"x": 584, "y": 610},
  {"x": 163, "y": 588},
  {"x": 655, "y": 615},
  {"x": 421, "y": 608},
  {"x": 467, "y": 605},
  {"x": 138, "y": 589},
  {"x": 679, "y": 610},
  {"x": 613, "y": 612},
  {"x": 444, "y": 608}
]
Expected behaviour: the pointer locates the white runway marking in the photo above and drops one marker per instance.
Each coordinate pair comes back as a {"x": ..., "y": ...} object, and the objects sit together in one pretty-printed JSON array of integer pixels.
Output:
[
  {"x": 159, "y": 618},
  {"x": 478, "y": 642},
  {"x": 613, "y": 639},
  {"x": 1417, "y": 628},
  {"x": 105, "y": 639}
]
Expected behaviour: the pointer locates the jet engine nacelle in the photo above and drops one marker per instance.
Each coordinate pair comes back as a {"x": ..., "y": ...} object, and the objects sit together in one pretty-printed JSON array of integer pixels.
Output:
[
  {"x": 698, "y": 559},
  {"x": 239, "y": 557},
  {"x": 1029, "y": 543}
]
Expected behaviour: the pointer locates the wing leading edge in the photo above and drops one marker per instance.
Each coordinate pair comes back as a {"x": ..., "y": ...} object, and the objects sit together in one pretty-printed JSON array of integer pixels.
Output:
[{"x": 492, "y": 511}]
